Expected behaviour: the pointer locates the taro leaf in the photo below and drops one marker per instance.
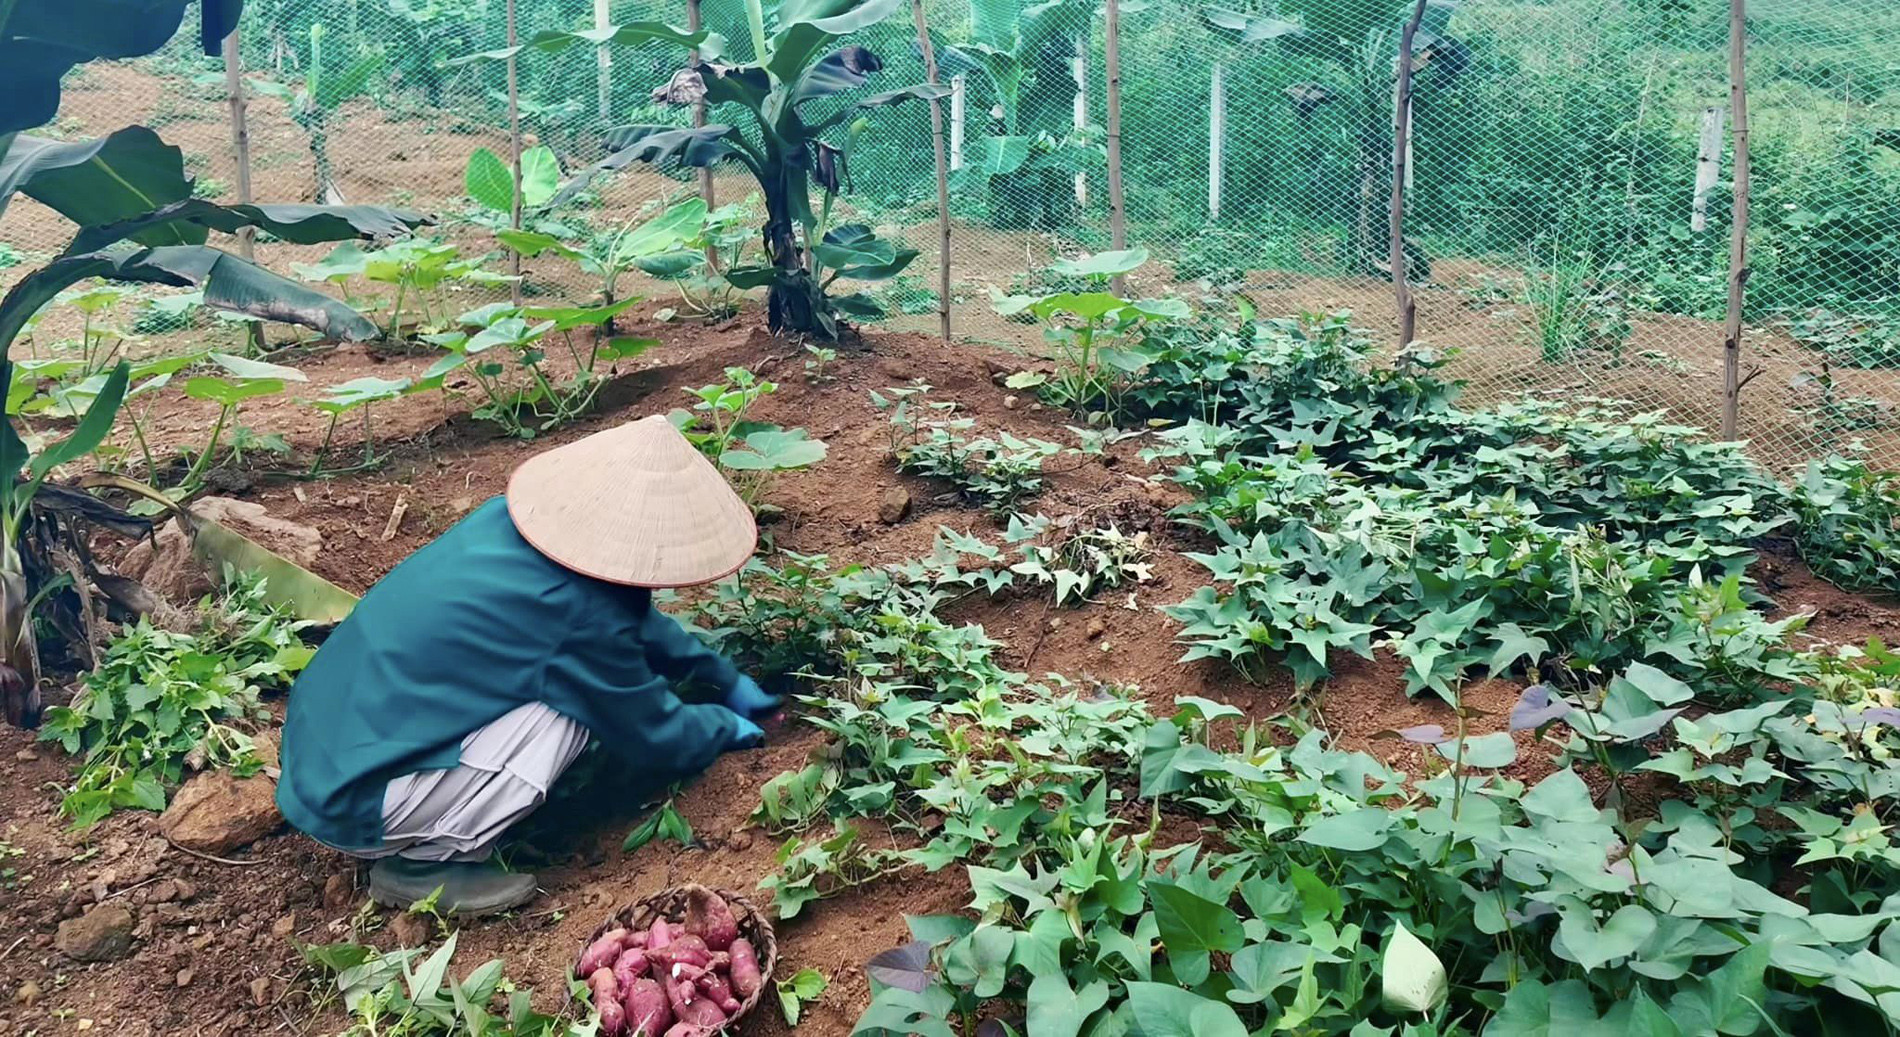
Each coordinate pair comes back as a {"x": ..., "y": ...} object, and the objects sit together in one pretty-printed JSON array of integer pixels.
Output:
[
  {"x": 623, "y": 347},
  {"x": 1493, "y": 750},
  {"x": 227, "y": 393},
  {"x": 1592, "y": 946},
  {"x": 86, "y": 436},
  {"x": 1101, "y": 264},
  {"x": 540, "y": 176},
  {"x": 489, "y": 182},
  {"x": 295, "y": 223},
  {"x": 1191, "y": 926},
  {"x": 532, "y": 243},
  {"x": 774, "y": 449},
  {"x": 907, "y": 967},
  {"x": 1536, "y": 706},
  {"x": 566, "y": 318},
  {"x": 358, "y": 392},
  {"x": 244, "y": 367},
  {"x": 92, "y": 182},
  {"x": 677, "y": 226},
  {"x": 344, "y": 262},
  {"x": 1411, "y": 978},
  {"x": 1166, "y": 1010},
  {"x": 1056, "y": 1010},
  {"x": 1356, "y": 831}
]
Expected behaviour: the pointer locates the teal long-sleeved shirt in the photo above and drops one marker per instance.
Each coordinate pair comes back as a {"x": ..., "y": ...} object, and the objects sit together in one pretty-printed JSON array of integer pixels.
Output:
[{"x": 465, "y": 630}]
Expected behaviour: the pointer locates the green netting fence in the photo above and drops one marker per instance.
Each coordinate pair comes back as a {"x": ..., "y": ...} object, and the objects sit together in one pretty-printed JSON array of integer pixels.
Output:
[{"x": 1570, "y": 180}]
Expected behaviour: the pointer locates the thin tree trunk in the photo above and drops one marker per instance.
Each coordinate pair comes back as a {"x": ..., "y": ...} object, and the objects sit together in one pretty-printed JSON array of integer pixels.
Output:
[
  {"x": 959, "y": 92},
  {"x": 1216, "y": 138},
  {"x": 1732, "y": 380},
  {"x": 1080, "y": 69},
  {"x": 241, "y": 156},
  {"x": 1708, "y": 166},
  {"x": 1401, "y": 276},
  {"x": 699, "y": 119},
  {"x": 604, "y": 62},
  {"x": 1117, "y": 209},
  {"x": 514, "y": 147},
  {"x": 943, "y": 171}
]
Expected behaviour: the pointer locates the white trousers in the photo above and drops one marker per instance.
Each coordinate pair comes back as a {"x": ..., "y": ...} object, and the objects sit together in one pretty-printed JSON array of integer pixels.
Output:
[{"x": 458, "y": 814}]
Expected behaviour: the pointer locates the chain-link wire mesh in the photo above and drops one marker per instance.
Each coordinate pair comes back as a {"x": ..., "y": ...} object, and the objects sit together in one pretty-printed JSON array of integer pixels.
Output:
[{"x": 1570, "y": 186}]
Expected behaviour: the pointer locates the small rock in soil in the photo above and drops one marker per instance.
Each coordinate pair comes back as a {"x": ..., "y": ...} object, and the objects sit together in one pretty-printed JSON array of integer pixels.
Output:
[
  {"x": 284, "y": 926},
  {"x": 217, "y": 813},
  {"x": 894, "y": 505},
  {"x": 1010, "y": 402},
  {"x": 740, "y": 840},
  {"x": 338, "y": 891},
  {"x": 28, "y": 993},
  {"x": 260, "y": 991},
  {"x": 26, "y": 756},
  {"x": 410, "y": 930},
  {"x": 185, "y": 977},
  {"x": 102, "y": 934},
  {"x": 1096, "y": 628}
]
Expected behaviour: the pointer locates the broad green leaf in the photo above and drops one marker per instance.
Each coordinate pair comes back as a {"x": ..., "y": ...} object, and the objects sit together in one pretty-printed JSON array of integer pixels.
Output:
[
  {"x": 1357, "y": 831},
  {"x": 1411, "y": 978},
  {"x": 1658, "y": 686},
  {"x": 1191, "y": 926},
  {"x": 1101, "y": 264},
  {"x": 1618, "y": 937},
  {"x": 774, "y": 450},
  {"x": 244, "y": 367},
  {"x": 228, "y": 393},
  {"x": 1496, "y": 749},
  {"x": 1056, "y": 1010},
  {"x": 1535, "y": 1009},
  {"x": 489, "y": 181},
  {"x": 1165, "y": 1010},
  {"x": 1560, "y": 797}
]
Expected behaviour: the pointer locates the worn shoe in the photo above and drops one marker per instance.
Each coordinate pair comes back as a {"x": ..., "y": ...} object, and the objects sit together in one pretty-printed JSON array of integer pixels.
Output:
[{"x": 468, "y": 888}]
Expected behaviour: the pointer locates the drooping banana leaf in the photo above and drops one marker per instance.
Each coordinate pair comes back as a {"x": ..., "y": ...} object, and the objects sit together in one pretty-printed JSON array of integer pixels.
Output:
[
  {"x": 297, "y": 223},
  {"x": 661, "y": 145},
  {"x": 40, "y": 40},
  {"x": 118, "y": 176}
]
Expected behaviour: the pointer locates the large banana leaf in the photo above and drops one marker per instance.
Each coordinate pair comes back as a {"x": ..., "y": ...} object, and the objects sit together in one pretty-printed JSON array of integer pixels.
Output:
[
  {"x": 297, "y": 223},
  {"x": 918, "y": 91},
  {"x": 709, "y": 44},
  {"x": 229, "y": 283},
  {"x": 846, "y": 68},
  {"x": 660, "y": 145},
  {"x": 40, "y": 40},
  {"x": 116, "y": 177},
  {"x": 806, "y": 27}
]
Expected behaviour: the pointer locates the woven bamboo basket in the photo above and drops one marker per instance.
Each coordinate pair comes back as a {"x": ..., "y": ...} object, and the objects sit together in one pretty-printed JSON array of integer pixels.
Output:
[{"x": 670, "y": 904}]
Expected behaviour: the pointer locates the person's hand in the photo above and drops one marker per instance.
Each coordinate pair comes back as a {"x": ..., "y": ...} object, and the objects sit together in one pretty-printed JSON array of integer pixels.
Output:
[
  {"x": 746, "y": 735},
  {"x": 749, "y": 700}
]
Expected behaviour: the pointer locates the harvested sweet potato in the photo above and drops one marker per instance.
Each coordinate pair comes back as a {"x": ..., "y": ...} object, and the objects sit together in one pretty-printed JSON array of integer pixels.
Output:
[
  {"x": 746, "y": 979},
  {"x": 658, "y": 935},
  {"x": 631, "y": 964},
  {"x": 637, "y": 939},
  {"x": 715, "y": 987},
  {"x": 600, "y": 954},
  {"x": 702, "y": 1011},
  {"x": 682, "y": 950},
  {"x": 688, "y": 1030},
  {"x": 606, "y": 991},
  {"x": 709, "y": 917},
  {"x": 648, "y": 1010}
]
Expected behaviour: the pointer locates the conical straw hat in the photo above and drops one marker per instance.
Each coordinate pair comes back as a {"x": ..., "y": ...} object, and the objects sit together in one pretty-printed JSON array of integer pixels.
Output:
[{"x": 635, "y": 505}]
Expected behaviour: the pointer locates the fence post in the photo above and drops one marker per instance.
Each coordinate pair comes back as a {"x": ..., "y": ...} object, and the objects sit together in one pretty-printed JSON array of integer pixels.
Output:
[
  {"x": 1708, "y": 166},
  {"x": 943, "y": 174},
  {"x": 1401, "y": 165},
  {"x": 958, "y": 99},
  {"x": 1216, "y": 138},
  {"x": 604, "y": 59},
  {"x": 1732, "y": 380},
  {"x": 699, "y": 119},
  {"x": 241, "y": 154},
  {"x": 514, "y": 149},
  {"x": 1081, "y": 121},
  {"x": 1117, "y": 207}
]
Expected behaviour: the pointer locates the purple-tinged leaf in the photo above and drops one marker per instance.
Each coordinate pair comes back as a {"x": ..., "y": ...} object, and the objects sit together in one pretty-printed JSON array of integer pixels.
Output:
[
  {"x": 1536, "y": 707},
  {"x": 907, "y": 967},
  {"x": 1880, "y": 715}
]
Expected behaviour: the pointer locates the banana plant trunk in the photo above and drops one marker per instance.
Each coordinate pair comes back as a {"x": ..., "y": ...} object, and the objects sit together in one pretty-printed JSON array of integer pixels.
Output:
[
  {"x": 793, "y": 302},
  {"x": 20, "y": 670}
]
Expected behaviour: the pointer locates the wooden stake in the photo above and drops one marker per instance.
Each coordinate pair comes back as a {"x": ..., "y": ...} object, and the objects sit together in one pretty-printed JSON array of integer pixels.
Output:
[
  {"x": 1738, "y": 232},
  {"x": 1117, "y": 210},
  {"x": 241, "y": 154},
  {"x": 1401, "y": 279},
  {"x": 1708, "y": 166},
  {"x": 959, "y": 99},
  {"x": 1216, "y": 138},
  {"x": 943, "y": 171},
  {"x": 604, "y": 60},
  {"x": 1080, "y": 67},
  {"x": 514, "y": 149},
  {"x": 699, "y": 119}
]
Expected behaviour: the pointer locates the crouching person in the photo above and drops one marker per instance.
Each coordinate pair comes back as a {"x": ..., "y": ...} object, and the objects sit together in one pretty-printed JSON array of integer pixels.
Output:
[{"x": 442, "y": 710}]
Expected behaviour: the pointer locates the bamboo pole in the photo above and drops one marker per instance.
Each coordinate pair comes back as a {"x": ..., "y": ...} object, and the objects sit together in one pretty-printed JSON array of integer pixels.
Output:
[
  {"x": 604, "y": 60},
  {"x": 1732, "y": 380},
  {"x": 959, "y": 98},
  {"x": 1079, "y": 67},
  {"x": 514, "y": 150},
  {"x": 1117, "y": 210},
  {"x": 943, "y": 171},
  {"x": 1216, "y": 139},
  {"x": 241, "y": 155},
  {"x": 693, "y": 22},
  {"x": 1401, "y": 157}
]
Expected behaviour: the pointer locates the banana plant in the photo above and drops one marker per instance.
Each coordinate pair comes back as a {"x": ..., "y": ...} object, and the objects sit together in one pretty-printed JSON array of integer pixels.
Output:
[
  {"x": 132, "y": 203},
  {"x": 794, "y": 63},
  {"x": 314, "y": 103}
]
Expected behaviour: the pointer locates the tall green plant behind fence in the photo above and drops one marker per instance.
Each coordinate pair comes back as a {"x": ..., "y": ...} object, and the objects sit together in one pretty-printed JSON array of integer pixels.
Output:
[{"x": 1570, "y": 179}]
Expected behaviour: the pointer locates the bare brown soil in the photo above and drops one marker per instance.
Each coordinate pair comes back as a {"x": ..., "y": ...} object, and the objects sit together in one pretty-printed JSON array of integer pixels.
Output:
[{"x": 214, "y": 952}]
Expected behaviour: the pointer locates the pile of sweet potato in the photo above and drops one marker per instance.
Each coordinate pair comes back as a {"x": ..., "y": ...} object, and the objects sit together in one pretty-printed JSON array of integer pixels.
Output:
[{"x": 676, "y": 979}]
